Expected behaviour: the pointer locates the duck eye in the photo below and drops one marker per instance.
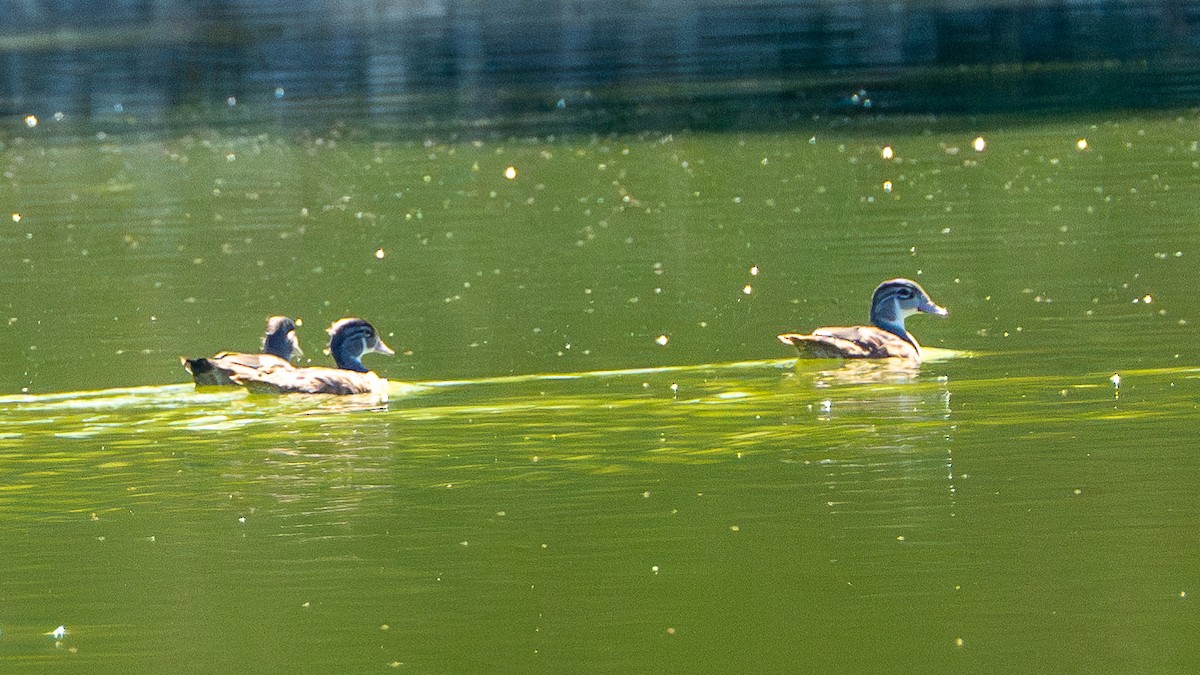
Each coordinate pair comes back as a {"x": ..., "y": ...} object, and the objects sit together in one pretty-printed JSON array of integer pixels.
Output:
[{"x": 905, "y": 293}]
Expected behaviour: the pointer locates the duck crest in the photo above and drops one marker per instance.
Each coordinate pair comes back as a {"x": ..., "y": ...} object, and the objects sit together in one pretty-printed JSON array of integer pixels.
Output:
[
  {"x": 349, "y": 339},
  {"x": 280, "y": 339}
]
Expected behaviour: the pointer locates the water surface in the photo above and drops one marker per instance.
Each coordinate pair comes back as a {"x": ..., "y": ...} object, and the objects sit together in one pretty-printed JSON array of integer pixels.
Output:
[{"x": 605, "y": 460}]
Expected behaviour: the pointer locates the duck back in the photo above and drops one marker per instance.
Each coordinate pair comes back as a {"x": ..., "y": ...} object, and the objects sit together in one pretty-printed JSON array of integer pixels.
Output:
[
  {"x": 851, "y": 342},
  {"x": 216, "y": 371}
]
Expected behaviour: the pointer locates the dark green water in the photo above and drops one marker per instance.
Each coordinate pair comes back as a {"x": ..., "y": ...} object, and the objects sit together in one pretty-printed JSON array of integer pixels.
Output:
[{"x": 698, "y": 505}]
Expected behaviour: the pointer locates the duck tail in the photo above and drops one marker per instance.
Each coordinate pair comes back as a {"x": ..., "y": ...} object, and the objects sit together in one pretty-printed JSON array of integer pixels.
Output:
[{"x": 196, "y": 366}]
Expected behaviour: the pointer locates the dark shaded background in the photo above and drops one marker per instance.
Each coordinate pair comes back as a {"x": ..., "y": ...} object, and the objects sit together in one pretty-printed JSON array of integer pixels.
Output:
[{"x": 544, "y": 65}]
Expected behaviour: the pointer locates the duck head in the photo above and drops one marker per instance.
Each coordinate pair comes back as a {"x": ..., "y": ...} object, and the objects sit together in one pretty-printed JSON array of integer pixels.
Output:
[
  {"x": 281, "y": 339},
  {"x": 897, "y": 299},
  {"x": 349, "y": 339}
]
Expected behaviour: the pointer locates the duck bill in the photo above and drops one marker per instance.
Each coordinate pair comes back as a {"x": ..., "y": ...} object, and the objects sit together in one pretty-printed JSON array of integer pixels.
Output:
[
  {"x": 382, "y": 348},
  {"x": 930, "y": 308}
]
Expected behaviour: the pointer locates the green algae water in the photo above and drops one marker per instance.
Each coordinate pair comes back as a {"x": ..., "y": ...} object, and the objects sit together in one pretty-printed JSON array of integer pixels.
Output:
[{"x": 596, "y": 456}]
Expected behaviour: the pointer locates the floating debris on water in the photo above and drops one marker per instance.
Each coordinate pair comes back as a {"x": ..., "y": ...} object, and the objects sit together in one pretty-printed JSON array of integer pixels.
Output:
[
  {"x": 980, "y": 144},
  {"x": 510, "y": 172}
]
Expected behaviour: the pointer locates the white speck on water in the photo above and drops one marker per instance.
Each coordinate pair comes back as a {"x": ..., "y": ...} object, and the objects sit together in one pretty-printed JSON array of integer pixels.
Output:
[
  {"x": 886, "y": 153},
  {"x": 1115, "y": 379},
  {"x": 510, "y": 172},
  {"x": 1082, "y": 144},
  {"x": 31, "y": 121},
  {"x": 58, "y": 633},
  {"x": 980, "y": 145},
  {"x": 754, "y": 271},
  {"x": 662, "y": 340},
  {"x": 747, "y": 289}
]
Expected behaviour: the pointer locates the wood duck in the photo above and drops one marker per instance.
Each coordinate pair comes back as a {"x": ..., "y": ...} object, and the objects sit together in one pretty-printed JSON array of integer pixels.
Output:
[
  {"x": 280, "y": 344},
  {"x": 349, "y": 340},
  {"x": 892, "y": 302}
]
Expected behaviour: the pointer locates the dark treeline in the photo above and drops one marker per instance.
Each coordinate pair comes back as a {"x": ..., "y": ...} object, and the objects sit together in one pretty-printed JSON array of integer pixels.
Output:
[{"x": 620, "y": 65}]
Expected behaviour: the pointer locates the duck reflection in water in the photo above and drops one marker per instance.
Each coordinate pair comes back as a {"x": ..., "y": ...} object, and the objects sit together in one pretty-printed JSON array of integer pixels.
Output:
[{"x": 862, "y": 371}]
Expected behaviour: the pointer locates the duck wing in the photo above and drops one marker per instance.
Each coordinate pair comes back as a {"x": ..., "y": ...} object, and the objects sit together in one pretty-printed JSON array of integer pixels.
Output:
[
  {"x": 311, "y": 381},
  {"x": 850, "y": 342},
  {"x": 218, "y": 370}
]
